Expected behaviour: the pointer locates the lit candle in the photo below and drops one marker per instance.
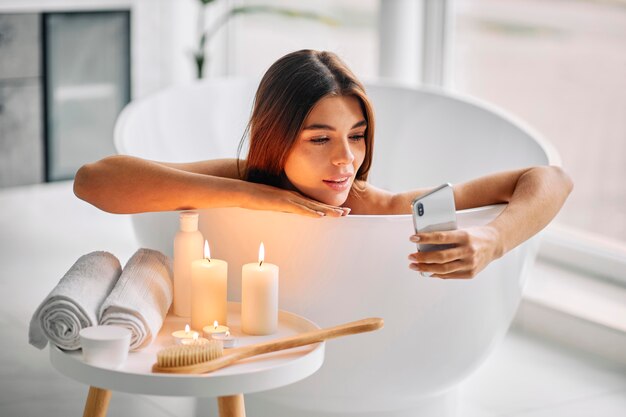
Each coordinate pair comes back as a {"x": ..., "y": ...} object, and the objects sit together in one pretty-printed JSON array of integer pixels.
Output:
[
  {"x": 259, "y": 296},
  {"x": 217, "y": 328},
  {"x": 195, "y": 341},
  {"x": 208, "y": 290},
  {"x": 227, "y": 340},
  {"x": 180, "y": 335}
]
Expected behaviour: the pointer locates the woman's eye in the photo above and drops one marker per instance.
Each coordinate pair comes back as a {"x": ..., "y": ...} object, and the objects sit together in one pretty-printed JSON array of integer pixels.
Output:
[
  {"x": 319, "y": 140},
  {"x": 357, "y": 138}
]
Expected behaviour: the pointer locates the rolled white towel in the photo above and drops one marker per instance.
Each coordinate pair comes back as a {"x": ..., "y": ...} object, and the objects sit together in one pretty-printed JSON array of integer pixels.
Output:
[
  {"x": 74, "y": 303},
  {"x": 141, "y": 298}
]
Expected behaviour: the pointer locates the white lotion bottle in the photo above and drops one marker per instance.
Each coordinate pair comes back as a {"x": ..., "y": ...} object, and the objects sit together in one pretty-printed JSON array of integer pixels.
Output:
[{"x": 188, "y": 247}]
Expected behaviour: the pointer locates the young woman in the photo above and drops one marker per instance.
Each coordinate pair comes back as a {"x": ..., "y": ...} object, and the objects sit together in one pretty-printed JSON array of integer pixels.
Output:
[{"x": 311, "y": 141}]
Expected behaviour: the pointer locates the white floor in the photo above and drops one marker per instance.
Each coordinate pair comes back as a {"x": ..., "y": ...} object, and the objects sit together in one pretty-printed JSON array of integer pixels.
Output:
[
  {"x": 528, "y": 377},
  {"x": 39, "y": 240}
]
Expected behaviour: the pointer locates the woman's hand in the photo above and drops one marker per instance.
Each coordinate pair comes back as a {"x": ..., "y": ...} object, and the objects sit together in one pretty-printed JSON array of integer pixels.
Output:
[
  {"x": 473, "y": 249},
  {"x": 265, "y": 197}
]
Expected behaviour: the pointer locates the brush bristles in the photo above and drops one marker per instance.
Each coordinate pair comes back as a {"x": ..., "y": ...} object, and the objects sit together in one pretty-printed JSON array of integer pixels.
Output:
[{"x": 185, "y": 355}]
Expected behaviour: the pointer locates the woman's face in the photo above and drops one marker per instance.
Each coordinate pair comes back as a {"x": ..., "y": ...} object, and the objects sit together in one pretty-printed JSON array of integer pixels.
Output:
[{"x": 330, "y": 149}]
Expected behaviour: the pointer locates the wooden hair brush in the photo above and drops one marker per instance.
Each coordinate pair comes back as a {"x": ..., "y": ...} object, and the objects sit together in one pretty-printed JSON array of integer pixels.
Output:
[{"x": 199, "y": 359}]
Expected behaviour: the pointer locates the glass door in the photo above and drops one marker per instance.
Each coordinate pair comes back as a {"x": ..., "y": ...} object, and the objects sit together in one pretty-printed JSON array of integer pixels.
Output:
[{"x": 86, "y": 85}]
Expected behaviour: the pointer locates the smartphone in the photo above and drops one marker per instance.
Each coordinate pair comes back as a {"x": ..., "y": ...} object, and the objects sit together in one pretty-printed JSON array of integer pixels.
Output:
[{"x": 433, "y": 212}]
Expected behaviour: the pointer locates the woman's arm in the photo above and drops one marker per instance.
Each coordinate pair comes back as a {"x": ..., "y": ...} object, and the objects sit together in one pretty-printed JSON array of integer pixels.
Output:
[
  {"x": 125, "y": 184},
  {"x": 534, "y": 196}
]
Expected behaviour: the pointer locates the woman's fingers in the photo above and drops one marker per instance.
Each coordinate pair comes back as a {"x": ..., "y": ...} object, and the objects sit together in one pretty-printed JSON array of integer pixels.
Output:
[
  {"x": 272, "y": 198},
  {"x": 301, "y": 205},
  {"x": 446, "y": 268},
  {"x": 312, "y": 211},
  {"x": 473, "y": 249},
  {"x": 266, "y": 197},
  {"x": 453, "y": 270},
  {"x": 328, "y": 209},
  {"x": 323, "y": 209},
  {"x": 318, "y": 210},
  {"x": 455, "y": 275},
  {"x": 459, "y": 236},
  {"x": 438, "y": 256},
  {"x": 297, "y": 208}
]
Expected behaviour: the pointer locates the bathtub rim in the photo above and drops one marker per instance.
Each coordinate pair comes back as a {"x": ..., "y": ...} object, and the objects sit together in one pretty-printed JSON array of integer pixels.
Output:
[
  {"x": 547, "y": 147},
  {"x": 552, "y": 154},
  {"x": 357, "y": 217}
]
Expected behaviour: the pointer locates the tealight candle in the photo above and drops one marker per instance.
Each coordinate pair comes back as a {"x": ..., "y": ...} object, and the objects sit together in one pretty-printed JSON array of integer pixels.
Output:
[
  {"x": 195, "y": 341},
  {"x": 180, "y": 335},
  {"x": 227, "y": 340},
  {"x": 259, "y": 296},
  {"x": 217, "y": 328},
  {"x": 208, "y": 290}
]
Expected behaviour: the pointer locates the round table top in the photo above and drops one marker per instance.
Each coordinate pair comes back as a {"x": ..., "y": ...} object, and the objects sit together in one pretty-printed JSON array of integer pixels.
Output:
[{"x": 260, "y": 373}]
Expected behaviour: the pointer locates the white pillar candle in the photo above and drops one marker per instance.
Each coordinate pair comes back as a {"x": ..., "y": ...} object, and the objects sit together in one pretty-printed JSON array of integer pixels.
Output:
[
  {"x": 208, "y": 290},
  {"x": 259, "y": 297}
]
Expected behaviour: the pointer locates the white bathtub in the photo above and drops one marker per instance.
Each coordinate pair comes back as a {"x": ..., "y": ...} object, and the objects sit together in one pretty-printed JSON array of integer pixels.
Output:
[{"x": 335, "y": 270}]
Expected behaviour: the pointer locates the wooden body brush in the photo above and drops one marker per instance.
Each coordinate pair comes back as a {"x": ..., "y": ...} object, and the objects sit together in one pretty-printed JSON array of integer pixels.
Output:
[{"x": 206, "y": 358}]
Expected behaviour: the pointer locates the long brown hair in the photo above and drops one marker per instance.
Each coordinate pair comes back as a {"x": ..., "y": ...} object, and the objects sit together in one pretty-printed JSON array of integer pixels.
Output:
[{"x": 288, "y": 91}]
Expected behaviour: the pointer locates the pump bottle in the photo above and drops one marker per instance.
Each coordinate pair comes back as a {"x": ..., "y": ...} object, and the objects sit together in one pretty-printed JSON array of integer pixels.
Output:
[{"x": 188, "y": 246}]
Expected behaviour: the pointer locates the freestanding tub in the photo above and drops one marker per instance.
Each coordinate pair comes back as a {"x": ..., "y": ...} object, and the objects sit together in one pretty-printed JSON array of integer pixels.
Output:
[{"x": 336, "y": 270}]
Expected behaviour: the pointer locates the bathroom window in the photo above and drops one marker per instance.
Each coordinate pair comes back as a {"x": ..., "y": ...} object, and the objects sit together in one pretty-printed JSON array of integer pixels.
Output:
[
  {"x": 261, "y": 38},
  {"x": 560, "y": 66},
  {"x": 87, "y": 83}
]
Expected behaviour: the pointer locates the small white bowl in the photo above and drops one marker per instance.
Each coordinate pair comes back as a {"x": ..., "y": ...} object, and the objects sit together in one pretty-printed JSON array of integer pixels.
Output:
[{"x": 105, "y": 346}]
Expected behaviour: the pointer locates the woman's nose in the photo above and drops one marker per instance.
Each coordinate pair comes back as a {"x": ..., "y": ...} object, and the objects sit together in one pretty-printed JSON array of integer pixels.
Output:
[{"x": 343, "y": 155}]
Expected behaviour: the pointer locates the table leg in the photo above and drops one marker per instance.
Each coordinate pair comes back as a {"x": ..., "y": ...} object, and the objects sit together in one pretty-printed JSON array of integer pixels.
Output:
[
  {"x": 97, "y": 402},
  {"x": 231, "y": 406}
]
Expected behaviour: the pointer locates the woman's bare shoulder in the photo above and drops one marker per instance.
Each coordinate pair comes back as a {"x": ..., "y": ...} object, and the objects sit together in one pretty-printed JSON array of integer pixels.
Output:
[
  {"x": 366, "y": 198},
  {"x": 369, "y": 199}
]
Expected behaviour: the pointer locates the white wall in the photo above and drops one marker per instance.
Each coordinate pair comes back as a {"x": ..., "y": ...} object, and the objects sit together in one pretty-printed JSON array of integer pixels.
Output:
[{"x": 162, "y": 31}]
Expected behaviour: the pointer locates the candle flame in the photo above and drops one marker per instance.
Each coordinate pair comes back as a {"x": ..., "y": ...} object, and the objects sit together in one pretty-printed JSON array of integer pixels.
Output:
[
  {"x": 187, "y": 328},
  {"x": 227, "y": 333},
  {"x": 261, "y": 254},
  {"x": 207, "y": 251},
  {"x": 215, "y": 324}
]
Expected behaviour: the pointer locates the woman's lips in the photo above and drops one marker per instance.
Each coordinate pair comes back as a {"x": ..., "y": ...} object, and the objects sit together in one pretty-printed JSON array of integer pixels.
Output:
[{"x": 338, "y": 183}]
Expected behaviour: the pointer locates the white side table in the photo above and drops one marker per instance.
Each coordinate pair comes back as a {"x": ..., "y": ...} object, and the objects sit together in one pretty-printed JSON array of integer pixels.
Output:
[{"x": 260, "y": 373}]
